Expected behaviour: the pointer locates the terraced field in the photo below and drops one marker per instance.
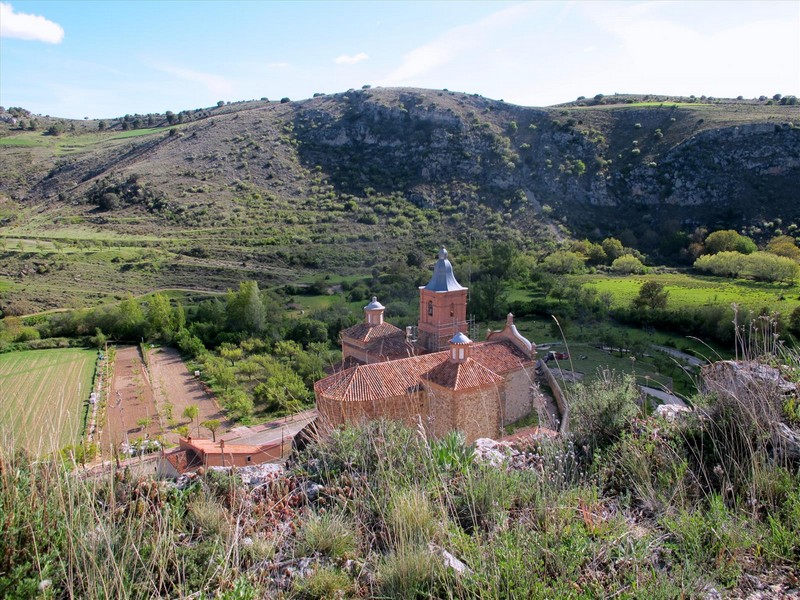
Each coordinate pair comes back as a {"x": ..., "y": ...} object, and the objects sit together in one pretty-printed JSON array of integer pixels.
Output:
[{"x": 42, "y": 395}]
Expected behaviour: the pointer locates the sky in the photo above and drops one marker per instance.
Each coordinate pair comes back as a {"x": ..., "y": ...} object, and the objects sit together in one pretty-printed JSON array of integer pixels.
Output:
[{"x": 105, "y": 59}]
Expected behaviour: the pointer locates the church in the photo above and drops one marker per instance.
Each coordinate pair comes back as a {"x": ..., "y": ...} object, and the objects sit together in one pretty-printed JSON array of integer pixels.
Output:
[{"x": 434, "y": 373}]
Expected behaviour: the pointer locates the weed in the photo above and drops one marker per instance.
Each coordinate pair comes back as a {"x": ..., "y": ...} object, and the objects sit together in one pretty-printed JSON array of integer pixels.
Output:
[
  {"x": 329, "y": 535},
  {"x": 325, "y": 583}
]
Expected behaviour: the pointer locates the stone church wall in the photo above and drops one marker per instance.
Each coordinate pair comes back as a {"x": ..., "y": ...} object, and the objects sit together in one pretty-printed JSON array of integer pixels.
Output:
[{"x": 518, "y": 398}]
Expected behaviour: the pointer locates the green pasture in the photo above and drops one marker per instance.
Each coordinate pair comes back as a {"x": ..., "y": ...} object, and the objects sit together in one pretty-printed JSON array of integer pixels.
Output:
[
  {"x": 693, "y": 291},
  {"x": 43, "y": 394},
  {"x": 70, "y": 143},
  {"x": 138, "y": 132}
]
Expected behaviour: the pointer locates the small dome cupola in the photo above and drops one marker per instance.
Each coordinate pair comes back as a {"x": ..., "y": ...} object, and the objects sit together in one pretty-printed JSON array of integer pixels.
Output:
[
  {"x": 460, "y": 348},
  {"x": 374, "y": 312}
]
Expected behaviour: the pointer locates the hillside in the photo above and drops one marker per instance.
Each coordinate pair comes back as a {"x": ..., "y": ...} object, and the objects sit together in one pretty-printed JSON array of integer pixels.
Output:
[{"x": 279, "y": 191}]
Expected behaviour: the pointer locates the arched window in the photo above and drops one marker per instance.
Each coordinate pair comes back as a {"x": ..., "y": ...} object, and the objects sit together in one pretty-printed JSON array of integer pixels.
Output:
[
  {"x": 430, "y": 307},
  {"x": 452, "y": 310}
]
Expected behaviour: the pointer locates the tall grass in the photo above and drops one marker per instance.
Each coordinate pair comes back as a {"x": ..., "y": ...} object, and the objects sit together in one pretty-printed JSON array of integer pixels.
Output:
[{"x": 633, "y": 506}]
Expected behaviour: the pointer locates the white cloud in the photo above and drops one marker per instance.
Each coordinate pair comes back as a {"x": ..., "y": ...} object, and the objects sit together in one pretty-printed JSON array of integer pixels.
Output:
[
  {"x": 344, "y": 59},
  {"x": 452, "y": 44},
  {"x": 277, "y": 65},
  {"x": 28, "y": 27},
  {"x": 214, "y": 83}
]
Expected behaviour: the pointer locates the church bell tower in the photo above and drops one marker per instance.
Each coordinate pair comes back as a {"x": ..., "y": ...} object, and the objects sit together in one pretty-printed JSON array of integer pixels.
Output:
[{"x": 442, "y": 307}]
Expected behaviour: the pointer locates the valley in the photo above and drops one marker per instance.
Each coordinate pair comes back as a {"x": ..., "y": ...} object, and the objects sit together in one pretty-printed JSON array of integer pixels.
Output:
[{"x": 204, "y": 266}]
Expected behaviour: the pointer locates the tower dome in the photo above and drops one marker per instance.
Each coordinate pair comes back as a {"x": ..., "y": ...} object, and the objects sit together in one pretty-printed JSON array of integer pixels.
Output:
[{"x": 443, "y": 279}]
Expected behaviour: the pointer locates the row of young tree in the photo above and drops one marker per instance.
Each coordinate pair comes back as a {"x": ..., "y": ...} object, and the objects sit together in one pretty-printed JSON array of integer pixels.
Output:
[{"x": 257, "y": 358}]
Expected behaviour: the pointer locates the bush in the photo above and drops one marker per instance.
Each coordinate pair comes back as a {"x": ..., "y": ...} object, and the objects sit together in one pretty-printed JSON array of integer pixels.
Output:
[
  {"x": 628, "y": 264},
  {"x": 602, "y": 410}
]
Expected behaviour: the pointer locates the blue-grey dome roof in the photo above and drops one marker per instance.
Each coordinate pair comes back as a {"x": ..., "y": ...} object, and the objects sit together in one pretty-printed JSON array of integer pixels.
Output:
[
  {"x": 374, "y": 305},
  {"x": 460, "y": 338},
  {"x": 443, "y": 279}
]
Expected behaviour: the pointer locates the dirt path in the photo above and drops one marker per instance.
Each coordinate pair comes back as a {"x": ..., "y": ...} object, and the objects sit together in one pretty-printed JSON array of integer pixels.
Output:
[
  {"x": 175, "y": 388},
  {"x": 131, "y": 399}
]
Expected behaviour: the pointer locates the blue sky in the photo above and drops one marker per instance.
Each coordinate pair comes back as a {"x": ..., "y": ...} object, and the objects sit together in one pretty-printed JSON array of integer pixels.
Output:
[{"x": 105, "y": 59}]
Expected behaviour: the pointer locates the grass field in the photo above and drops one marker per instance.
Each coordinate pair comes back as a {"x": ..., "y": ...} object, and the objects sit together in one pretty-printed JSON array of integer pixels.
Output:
[
  {"x": 42, "y": 393},
  {"x": 693, "y": 291}
]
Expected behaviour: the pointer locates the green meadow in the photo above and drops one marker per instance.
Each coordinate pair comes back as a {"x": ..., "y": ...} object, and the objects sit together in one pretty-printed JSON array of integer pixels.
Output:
[{"x": 692, "y": 291}]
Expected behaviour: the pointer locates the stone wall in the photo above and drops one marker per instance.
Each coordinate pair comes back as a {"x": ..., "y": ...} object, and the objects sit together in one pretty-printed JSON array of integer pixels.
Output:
[
  {"x": 475, "y": 413},
  {"x": 518, "y": 397},
  {"x": 406, "y": 408}
]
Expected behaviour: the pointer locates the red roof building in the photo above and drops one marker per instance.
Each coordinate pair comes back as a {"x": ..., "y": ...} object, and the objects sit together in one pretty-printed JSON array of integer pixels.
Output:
[{"x": 476, "y": 388}]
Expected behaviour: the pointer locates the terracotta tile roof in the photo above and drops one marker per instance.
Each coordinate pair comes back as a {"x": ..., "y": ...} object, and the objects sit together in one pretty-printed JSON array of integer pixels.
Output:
[
  {"x": 205, "y": 446},
  {"x": 379, "y": 380},
  {"x": 183, "y": 460},
  {"x": 375, "y": 381},
  {"x": 500, "y": 357},
  {"x": 467, "y": 375},
  {"x": 364, "y": 332}
]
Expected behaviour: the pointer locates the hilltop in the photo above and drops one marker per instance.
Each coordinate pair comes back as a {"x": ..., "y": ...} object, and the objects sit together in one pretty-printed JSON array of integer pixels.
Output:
[{"x": 280, "y": 190}]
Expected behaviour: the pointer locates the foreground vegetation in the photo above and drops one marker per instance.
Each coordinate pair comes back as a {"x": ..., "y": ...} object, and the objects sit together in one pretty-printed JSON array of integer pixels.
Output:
[{"x": 627, "y": 505}]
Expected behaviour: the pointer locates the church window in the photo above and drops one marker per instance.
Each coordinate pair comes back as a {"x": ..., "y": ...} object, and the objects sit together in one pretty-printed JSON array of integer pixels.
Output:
[
  {"x": 430, "y": 307},
  {"x": 452, "y": 310}
]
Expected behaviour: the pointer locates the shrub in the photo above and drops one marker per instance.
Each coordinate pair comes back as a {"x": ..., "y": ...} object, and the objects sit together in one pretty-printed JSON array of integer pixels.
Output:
[
  {"x": 627, "y": 264},
  {"x": 601, "y": 411}
]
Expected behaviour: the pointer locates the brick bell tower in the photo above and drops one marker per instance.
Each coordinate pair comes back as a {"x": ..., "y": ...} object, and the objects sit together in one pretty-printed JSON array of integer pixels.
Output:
[{"x": 442, "y": 307}]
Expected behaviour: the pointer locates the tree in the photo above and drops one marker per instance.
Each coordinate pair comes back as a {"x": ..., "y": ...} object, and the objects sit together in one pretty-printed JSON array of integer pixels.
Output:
[
  {"x": 564, "y": 261},
  {"x": 613, "y": 248},
  {"x": 171, "y": 118},
  {"x": 728, "y": 240},
  {"x": 159, "y": 315},
  {"x": 99, "y": 338},
  {"x": 55, "y": 129},
  {"x": 627, "y": 264},
  {"x": 724, "y": 264},
  {"x": 239, "y": 405},
  {"x": 191, "y": 412},
  {"x": 212, "y": 425},
  {"x": 245, "y": 310},
  {"x": 143, "y": 423},
  {"x": 131, "y": 318},
  {"x": 221, "y": 103},
  {"x": 768, "y": 267},
  {"x": 784, "y": 245},
  {"x": 651, "y": 295},
  {"x": 178, "y": 317},
  {"x": 231, "y": 353},
  {"x": 489, "y": 298},
  {"x": 109, "y": 201},
  {"x": 182, "y": 430}
]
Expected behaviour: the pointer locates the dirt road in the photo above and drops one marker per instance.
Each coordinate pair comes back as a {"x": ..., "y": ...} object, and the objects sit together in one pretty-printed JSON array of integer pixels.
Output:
[{"x": 175, "y": 389}]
